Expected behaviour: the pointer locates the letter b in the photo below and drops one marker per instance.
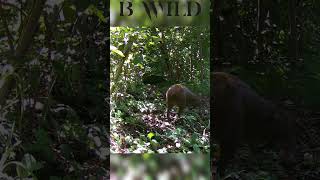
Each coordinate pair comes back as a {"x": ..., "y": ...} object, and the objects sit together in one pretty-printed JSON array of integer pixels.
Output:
[{"x": 129, "y": 7}]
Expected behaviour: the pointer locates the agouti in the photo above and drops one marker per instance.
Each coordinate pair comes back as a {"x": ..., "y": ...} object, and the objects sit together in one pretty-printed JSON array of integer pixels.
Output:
[
  {"x": 181, "y": 96},
  {"x": 240, "y": 115}
]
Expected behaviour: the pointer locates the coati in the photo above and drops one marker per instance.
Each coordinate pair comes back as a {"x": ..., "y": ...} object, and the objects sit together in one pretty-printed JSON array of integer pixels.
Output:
[
  {"x": 240, "y": 116},
  {"x": 181, "y": 96}
]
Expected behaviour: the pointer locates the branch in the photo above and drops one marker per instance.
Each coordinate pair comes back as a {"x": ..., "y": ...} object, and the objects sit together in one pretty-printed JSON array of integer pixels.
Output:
[
  {"x": 26, "y": 36},
  {"x": 127, "y": 50},
  {"x": 29, "y": 28}
]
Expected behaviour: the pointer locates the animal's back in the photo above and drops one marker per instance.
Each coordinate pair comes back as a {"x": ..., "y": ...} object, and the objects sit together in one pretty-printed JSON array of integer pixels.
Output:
[
  {"x": 241, "y": 115},
  {"x": 236, "y": 104},
  {"x": 175, "y": 94},
  {"x": 181, "y": 96}
]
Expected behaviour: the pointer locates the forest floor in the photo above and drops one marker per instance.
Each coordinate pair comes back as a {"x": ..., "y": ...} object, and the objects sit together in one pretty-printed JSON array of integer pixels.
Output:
[
  {"x": 139, "y": 125},
  {"x": 266, "y": 163}
]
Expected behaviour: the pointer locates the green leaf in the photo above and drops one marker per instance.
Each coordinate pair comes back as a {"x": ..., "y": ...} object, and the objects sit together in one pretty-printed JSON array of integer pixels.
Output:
[
  {"x": 151, "y": 135},
  {"x": 137, "y": 59},
  {"x": 92, "y": 9},
  {"x": 154, "y": 144},
  {"x": 27, "y": 166},
  {"x": 29, "y": 161},
  {"x": 117, "y": 51},
  {"x": 146, "y": 156},
  {"x": 21, "y": 171},
  {"x": 101, "y": 16},
  {"x": 196, "y": 148},
  {"x": 140, "y": 65}
]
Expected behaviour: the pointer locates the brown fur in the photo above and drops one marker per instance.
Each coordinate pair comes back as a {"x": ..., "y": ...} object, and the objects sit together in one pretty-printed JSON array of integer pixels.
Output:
[
  {"x": 240, "y": 115},
  {"x": 181, "y": 96}
]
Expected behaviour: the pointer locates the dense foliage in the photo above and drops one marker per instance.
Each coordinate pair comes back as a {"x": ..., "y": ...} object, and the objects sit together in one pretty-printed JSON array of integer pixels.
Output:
[
  {"x": 52, "y": 89},
  {"x": 145, "y": 62},
  {"x": 160, "y": 166},
  {"x": 274, "y": 47}
]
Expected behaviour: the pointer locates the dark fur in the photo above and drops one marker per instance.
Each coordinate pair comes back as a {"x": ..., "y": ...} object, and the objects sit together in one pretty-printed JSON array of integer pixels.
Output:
[
  {"x": 240, "y": 115},
  {"x": 181, "y": 96}
]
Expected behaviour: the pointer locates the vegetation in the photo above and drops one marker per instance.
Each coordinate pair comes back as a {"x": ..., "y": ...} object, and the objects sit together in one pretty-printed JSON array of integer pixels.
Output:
[
  {"x": 273, "y": 46},
  {"x": 52, "y": 89},
  {"x": 145, "y": 62},
  {"x": 158, "y": 166}
]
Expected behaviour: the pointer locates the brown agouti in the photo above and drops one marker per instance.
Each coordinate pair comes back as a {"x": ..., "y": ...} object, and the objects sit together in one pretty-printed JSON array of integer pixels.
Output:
[
  {"x": 181, "y": 96},
  {"x": 240, "y": 115}
]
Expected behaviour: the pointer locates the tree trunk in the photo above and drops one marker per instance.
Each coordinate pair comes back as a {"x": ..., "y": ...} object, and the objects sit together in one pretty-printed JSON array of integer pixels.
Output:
[
  {"x": 26, "y": 36},
  {"x": 165, "y": 54},
  {"x": 121, "y": 63}
]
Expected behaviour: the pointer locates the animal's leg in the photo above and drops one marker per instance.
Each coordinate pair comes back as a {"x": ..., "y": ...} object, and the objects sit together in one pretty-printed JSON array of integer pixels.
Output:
[{"x": 169, "y": 107}]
